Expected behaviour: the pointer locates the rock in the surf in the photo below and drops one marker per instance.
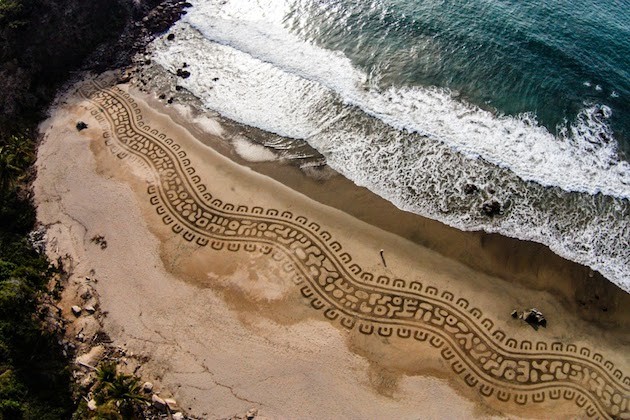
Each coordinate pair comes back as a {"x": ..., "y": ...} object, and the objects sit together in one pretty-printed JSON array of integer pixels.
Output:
[
  {"x": 491, "y": 208},
  {"x": 470, "y": 189}
]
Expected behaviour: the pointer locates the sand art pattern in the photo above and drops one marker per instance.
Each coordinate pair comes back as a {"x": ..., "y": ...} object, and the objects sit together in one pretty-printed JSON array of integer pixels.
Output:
[{"x": 482, "y": 355}]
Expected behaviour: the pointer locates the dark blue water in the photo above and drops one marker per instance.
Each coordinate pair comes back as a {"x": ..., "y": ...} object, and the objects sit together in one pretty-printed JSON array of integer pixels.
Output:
[{"x": 549, "y": 58}]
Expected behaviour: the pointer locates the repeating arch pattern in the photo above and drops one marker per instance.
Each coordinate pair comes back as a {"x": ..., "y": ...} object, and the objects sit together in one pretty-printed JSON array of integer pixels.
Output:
[{"x": 482, "y": 355}]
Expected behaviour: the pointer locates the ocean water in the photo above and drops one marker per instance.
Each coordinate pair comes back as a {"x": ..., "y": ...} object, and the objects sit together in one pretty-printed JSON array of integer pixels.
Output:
[{"x": 416, "y": 100}]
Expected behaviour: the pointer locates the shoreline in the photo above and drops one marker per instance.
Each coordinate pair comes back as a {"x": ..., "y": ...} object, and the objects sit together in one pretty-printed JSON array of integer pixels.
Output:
[
  {"x": 189, "y": 307},
  {"x": 527, "y": 263}
]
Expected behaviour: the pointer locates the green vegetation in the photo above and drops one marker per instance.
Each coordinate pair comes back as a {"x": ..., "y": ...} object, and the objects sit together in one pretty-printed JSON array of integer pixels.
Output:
[
  {"x": 117, "y": 392},
  {"x": 117, "y": 396},
  {"x": 34, "y": 380},
  {"x": 10, "y": 13},
  {"x": 41, "y": 42}
]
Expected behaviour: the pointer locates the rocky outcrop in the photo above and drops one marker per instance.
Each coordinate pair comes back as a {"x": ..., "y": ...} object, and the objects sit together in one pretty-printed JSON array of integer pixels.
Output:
[
  {"x": 491, "y": 208},
  {"x": 42, "y": 42}
]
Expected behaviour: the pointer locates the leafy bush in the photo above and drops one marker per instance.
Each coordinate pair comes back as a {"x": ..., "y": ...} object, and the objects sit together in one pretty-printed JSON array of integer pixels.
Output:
[
  {"x": 117, "y": 395},
  {"x": 34, "y": 376}
]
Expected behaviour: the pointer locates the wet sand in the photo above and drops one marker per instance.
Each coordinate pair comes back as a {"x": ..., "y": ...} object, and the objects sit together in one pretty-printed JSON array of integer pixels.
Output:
[{"x": 248, "y": 292}]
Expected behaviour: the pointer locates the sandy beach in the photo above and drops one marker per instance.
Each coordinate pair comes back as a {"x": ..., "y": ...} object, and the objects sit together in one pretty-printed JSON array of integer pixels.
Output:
[{"x": 250, "y": 285}]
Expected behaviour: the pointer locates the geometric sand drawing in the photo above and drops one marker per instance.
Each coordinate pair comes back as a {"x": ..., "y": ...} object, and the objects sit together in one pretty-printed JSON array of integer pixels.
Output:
[{"x": 483, "y": 356}]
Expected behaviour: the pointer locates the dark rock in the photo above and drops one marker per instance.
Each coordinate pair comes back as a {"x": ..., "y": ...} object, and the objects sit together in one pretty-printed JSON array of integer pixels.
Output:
[
  {"x": 491, "y": 208},
  {"x": 170, "y": 37},
  {"x": 184, "y": 74},
  {"x": 162, "y": 96},
  {"x": 185, "y": 65},
  {"x": 535, "y": 318},
  {"x": 158, "y": 402},
  {"x": 170, "y": 100},
  {"x": 605, "y": 138},
  {"x": 470, "y": 189},
  {"x": 178, "y": 88},
  {"x": 81, "y": 126},
  {"x": 514, "y": 314},
  {"x": 215, "y": 79}
]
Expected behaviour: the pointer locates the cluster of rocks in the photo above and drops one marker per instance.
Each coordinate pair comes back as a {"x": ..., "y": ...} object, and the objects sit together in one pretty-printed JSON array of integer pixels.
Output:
[
  {"x": 149, "y": 18},
  {"x": 37, "y": 239},
  {"x": 532, "y": 316},
  {"x": 72, "y": 311},
  {"x": 85, "y": 375},
  {"x": 167, "y": 405},
  {"x": 160, "y": 18},
  {"x": 491, "y": 207}
]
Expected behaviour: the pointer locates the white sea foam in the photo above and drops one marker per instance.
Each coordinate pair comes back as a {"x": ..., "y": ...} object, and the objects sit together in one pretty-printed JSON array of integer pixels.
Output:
[
  {"x": 518, "y": 143},
  {"x": 206, "y": 124},
  {"x": 252, "y": 152},
  {"x": 413, "y": 146}
]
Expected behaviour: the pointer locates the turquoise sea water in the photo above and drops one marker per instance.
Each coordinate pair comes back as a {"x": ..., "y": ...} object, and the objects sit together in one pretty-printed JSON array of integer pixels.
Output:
[
  {"x": 529, "y": 101},
  {"x": 549, "y": 58}
]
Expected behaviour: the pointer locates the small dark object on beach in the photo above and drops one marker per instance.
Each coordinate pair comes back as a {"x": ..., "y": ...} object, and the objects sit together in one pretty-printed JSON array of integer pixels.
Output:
[
  {"x": 535, "y": 318},
  {"x": 514, "y": 314},
  {"x": 215, "y": 79},
  {"x": 184, "y": 74},
  {"x": 81, "y": 126},
  {"x": 100, "y": 241},
  {"x": 178, "y": 88},
  {"x": 470, "y": 189},
  {"x": 147, "y": 62},
  {"x": 162, "y": 96},
  {"x": 185, "y": 65},
  {"x": 170, "y": 37},
  {"x": 170, "y": 100},
  {"x": 491, "y": 208}
]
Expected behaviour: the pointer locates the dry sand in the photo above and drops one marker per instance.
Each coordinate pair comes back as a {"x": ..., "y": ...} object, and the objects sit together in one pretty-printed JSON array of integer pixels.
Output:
[{"x": 262, "y": 326}]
